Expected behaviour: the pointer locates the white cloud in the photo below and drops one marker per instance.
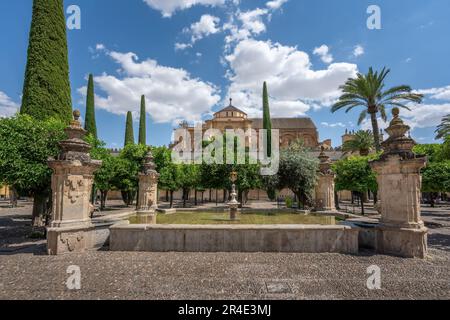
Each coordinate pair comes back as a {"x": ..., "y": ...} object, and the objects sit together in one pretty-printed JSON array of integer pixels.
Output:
[
  {"x": 172, "y": 94},
  {"x": 293, "y": 85},
  {"x": 421, "y": 116},
  {"x": 275, "y": 4},
  {"x": 100, "y": 47},
  {"x": 168, "y": 7},
  {"x": 358, "y": 50},
  {"x": 247, "y": 24},
  {"x": 334, "y": 125},
  {"x": 7, "y": 106},
  {"x": 324, "y": 53},
  {"x": 182, "y": 46},
  {"x": 206, "y": 26},
  {"x": 252, "y": 20},
  {"x": 442, "y": 93}
]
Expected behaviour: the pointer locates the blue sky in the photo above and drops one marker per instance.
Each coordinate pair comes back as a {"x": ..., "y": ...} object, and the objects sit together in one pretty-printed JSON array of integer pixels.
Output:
[{"x": 189, "y": 60}]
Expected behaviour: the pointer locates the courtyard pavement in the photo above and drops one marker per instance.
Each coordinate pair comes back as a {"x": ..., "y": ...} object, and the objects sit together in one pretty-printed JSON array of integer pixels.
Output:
[{"x": 27, "y": 273}]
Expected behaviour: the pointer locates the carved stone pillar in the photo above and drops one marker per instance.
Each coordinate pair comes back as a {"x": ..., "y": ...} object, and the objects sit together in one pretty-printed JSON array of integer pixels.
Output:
[
  {"x": 148, "y": 187},
  {"x": 401, "y": 230},
  {"x": 72, "y": 179},
  {"x": 325, "y": 185}
]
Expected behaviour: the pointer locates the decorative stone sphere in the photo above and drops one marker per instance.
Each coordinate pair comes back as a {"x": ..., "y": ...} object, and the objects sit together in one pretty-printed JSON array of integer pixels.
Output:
[
  {"x": 396, "y": 112},
  {"x": 76, "y": 114}
]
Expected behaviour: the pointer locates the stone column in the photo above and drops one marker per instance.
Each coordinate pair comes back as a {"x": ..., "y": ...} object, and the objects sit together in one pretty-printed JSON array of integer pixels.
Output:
[
  {"x": 148, "y": 187},
  {"x": 72, "y": 179},
  {"x": 401, "y": 231},
  {"x": 325, "y": 185}
]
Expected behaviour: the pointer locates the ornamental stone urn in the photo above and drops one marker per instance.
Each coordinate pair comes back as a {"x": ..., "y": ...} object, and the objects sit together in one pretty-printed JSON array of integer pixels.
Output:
[
  {"x": 73, "y": 175},
  {"x": 401, "y": 231}
]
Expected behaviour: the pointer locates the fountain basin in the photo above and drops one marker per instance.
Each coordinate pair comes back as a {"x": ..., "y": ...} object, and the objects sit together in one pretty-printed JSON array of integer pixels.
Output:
[{"x": 234, "y": 238}]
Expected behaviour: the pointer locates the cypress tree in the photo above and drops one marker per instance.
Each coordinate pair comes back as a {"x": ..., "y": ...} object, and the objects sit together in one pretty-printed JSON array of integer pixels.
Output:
[
  {"x": 46, "y": 90},
  {"x": 267, "y": 122},
  {"x": 142, "y": 124},
  {"x": 90, "y": 124},
  {"x": 129, "y": 131}
]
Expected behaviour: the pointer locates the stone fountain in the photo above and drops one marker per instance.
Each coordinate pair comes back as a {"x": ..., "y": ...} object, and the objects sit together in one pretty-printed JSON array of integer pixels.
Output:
[
  {"x": 233, "y": 204},
  {"x": 325, "y": 185},
  {"x": 148, "y": 191}
]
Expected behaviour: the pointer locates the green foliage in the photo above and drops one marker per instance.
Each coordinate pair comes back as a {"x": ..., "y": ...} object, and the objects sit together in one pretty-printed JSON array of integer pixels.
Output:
[
  {"x": 368, "y": 91},
  {"x": 435, "y": 152},
  {"x": 25, "y": 147},
  {"x": 363, "y": 142},
  {"x": 355, "y": 174},
  {"x": 289, "y": 202},
  {"x": 443, "y": 130},
  {"x": 436, "y": 177},
  {"x": 129, "y": 131},
  {"x": 142, "y": 123},
  {"x": 128, "y": 165},
  {"x": 90, "y": 124},
  {"x": 298, "y": 172},
  {"x": 104, "y": 176},
  {"x": 46, "y": 91},
  {"x": 267, "y": 122}
]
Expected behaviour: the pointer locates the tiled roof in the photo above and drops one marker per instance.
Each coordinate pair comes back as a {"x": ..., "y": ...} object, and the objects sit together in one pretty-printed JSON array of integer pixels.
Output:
[{"x": 286, "y": 123}]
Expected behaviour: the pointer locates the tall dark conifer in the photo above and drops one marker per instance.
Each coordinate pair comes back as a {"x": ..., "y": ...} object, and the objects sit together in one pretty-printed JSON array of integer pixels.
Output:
[
  {"x": 142, "y": 123},
  {"x": 90, "y": 124},
  {"x": 129, "y": 131},
  {"x": 267, "y": 122},
  {"x": 46, "y": 90}
]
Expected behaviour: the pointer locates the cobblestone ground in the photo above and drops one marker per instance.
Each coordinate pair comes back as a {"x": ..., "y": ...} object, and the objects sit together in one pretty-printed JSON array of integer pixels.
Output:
[{"x": 27, "y": 273}]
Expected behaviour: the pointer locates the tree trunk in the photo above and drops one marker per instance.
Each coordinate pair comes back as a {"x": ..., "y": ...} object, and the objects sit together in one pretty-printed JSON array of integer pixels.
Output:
[
  {"x": 195, "y": 200},
  {"x": 167, "y": 195},
  {"x": 375, "y": 197},
  {"x": 40, "y": 209},
  {"x": 185, "y": 195},
  {"x": 432, "y": 200},
  {"x": 171, "y": 199},
  {"x": 336, "y": 200},
  {"x": 13, "y": 195},
  {"x": 375, "y": 128},
  {"x": 103, "y": 196},
  {"x": 361, "y": 196}
]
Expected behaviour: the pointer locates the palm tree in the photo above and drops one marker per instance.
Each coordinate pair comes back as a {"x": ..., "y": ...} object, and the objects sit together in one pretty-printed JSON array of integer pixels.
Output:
[
  {"x": 368, "y": 91},
  {"x": 362, "y": 142},
  {"x": 443, "y": 129}
]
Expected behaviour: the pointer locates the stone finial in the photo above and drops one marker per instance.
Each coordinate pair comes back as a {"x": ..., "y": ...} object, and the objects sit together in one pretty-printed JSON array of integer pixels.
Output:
[
  {"x": 75, "y": 148},
  {"x": 149, "y": 166},
  {"x": 76, "y": 116},
  {"x": 325, "y": 163},
  {"x": 398, "y": 141},
  {"x": 231, "y": 102}
]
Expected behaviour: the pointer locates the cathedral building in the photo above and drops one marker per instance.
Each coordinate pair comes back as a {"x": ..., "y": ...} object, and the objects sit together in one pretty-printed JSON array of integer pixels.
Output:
[{"x": 291, "y": 129}]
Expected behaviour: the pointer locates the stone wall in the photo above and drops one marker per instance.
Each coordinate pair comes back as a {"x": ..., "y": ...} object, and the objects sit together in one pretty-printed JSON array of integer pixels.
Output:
[{"x": 232, "y": 238}]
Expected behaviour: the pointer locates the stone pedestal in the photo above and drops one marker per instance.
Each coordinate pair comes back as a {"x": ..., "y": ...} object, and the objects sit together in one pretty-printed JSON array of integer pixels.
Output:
[
  {"x": 325, "y": 201},
  {"x": 73, "y": 174},
  {"x": 148, "y": 188},
  {"x": 401, "y": 231}
]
